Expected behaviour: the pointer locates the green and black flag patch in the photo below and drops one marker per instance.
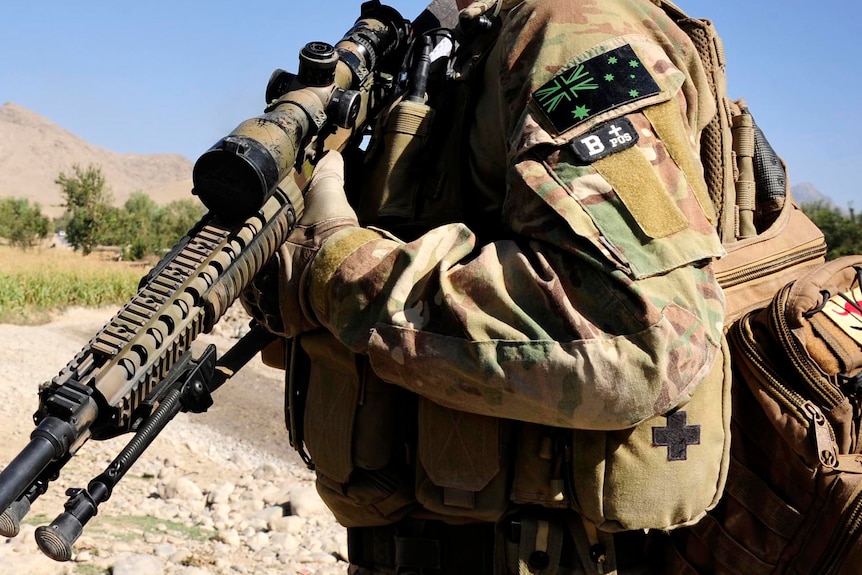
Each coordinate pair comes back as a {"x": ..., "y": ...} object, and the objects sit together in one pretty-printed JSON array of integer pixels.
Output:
[{"x": 597, "y": 85}]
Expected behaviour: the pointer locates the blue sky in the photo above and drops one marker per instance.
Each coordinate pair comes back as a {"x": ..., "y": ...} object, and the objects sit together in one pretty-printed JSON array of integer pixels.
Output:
[{"x": 175, "y": 76}]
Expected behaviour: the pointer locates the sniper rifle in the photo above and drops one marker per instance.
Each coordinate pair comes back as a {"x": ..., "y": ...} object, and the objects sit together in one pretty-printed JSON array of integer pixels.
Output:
[{"x": 138, "y": 371}]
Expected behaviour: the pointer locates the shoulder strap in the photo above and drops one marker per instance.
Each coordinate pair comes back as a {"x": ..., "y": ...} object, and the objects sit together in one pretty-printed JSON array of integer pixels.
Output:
[{"x": 716, "y": 140}]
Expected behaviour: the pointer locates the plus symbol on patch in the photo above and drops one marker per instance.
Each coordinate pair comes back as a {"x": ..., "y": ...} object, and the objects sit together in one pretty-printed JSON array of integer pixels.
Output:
[
  {"x": 615, "y": 131},
  {"x": 677, "y": 436}
]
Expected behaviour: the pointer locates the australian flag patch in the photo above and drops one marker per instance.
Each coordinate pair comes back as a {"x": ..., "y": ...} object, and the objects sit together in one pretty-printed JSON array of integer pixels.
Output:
[{"x": 597, "y": 85}]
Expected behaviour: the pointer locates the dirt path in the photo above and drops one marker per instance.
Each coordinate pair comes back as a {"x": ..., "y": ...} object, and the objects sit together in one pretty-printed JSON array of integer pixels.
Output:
[
  {"x": 248, "y": 407},
  {"x": 243, "y": 433}
]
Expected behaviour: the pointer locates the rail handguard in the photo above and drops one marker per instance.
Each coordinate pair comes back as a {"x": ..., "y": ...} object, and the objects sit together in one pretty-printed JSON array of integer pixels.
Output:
[{"x": 137, "y": 372}]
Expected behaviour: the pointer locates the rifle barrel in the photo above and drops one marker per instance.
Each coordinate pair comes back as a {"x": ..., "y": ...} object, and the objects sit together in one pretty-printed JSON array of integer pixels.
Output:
[{"x": 25, "y": 469}]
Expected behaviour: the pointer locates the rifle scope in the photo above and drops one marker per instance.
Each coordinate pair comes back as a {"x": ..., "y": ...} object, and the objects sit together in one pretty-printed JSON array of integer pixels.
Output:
[{"x": 332, "y": 88}]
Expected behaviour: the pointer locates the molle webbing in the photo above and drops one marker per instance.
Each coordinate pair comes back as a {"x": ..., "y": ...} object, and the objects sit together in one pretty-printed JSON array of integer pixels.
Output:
[
  {"x": 716, "y": 144},
  {"x": 716, "y": 147}
]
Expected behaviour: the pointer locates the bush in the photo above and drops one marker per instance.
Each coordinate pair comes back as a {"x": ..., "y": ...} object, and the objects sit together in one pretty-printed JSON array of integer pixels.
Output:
[
  {"x": 22, "y": 223},
  {"x": 139, "y": 229},
  {"x": 843, "y": 232}
]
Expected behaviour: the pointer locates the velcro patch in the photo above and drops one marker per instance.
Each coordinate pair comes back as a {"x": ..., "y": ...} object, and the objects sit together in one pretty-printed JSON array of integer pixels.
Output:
[
  {"x": 594, "y": 86},
  {"x": 846, "y": 311},
  {"x": 601, "y": 142}
]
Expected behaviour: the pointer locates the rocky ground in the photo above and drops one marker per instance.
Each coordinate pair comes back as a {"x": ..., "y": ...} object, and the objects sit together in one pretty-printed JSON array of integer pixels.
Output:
[{"x": 216, "y": 493}]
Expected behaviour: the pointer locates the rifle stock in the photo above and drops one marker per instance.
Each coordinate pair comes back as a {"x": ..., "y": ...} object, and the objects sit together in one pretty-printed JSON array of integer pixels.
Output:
[{"x": 136, "y": 373}]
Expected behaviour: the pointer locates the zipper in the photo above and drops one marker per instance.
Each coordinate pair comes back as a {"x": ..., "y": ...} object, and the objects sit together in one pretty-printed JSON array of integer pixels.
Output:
[
  {"x": 770, "y": 266},
  {"x": 847, "y": 535},
  {"x": 802, "y": 409},
  {"x": 828, "y": 395}
]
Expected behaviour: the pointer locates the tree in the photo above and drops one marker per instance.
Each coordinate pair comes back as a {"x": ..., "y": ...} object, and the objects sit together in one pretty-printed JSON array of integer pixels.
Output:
[
  {"x": 88, "y": 206},
  {"x": 176, "y": 219},
  {"x": 138, "y": 226},
  {"x": 843, "y": 234},
  {"x": 22, "y": 223}
]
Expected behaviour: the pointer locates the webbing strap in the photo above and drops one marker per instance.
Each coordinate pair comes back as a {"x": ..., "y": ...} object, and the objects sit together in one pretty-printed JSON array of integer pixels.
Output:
[
  {"x": 418, "y": 553},
  {"x": 716, "y": 147},
  {"x": 752, "y": 493},
  {"x": 733, "y": 556},
  {"x": 540, "y": 548}
]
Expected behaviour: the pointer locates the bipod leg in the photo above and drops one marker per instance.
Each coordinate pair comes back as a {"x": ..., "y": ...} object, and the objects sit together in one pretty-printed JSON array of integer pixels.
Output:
[{"x": 189, "y": 391}]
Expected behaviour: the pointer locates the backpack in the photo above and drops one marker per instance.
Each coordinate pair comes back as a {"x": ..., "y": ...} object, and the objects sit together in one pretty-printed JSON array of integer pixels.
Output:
[
  {"x": 793, "y": 500},
  {"x": 768, "y": 239}
]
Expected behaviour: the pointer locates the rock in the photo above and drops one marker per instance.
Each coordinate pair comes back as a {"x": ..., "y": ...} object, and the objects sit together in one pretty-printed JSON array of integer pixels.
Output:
[
  {"x": 179, "y": 488},
  {"x": 164, "y": 550},
  {"x": 289, "y": 524},
  {"x": 229, "y": 537},
  {"x": 266, "y": 472},
  {"x": 305, "y": 502},
  {"x": 220, "y": 493},
  {"x": 257, "y": 541},
  {"x": 137, "y": 565}
]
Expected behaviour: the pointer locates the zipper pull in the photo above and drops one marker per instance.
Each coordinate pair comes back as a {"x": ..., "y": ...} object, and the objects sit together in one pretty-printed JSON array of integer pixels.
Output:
[{"x": 824, "y": 439}]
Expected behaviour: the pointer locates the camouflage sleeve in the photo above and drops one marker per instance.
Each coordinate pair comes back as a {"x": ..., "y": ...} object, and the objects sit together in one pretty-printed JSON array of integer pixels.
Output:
[{"x": 603, "y": 309}]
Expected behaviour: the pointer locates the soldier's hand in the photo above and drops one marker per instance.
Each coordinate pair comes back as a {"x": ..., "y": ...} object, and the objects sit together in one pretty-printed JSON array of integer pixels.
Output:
[{"x": 276, "y": 297}]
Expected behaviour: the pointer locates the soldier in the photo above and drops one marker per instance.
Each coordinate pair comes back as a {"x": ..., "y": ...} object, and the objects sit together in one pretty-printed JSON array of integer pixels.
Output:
[{"x": 521, "y": 366}]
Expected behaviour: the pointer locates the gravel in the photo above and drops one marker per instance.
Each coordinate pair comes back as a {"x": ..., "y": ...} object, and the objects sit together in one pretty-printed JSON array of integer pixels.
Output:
[{"x": 216, "y": 493}]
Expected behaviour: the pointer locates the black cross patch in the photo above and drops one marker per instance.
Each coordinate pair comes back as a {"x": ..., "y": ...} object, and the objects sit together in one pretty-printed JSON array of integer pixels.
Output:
[{"x": 677, "y": 436}]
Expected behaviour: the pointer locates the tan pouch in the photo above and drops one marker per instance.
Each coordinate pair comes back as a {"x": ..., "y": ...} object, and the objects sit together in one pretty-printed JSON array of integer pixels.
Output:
[
  {"x": 353, "y": 437},
  {"x": 462, "y": 470},
  {"x": 665, "y": 472},
  {"x": 540, "y": 466},
  {"x": 773, "y": 241}
]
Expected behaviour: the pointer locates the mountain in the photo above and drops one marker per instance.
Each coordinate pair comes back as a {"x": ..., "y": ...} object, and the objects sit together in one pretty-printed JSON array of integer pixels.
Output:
[
  {"x": 807, "y": 193},
  {"x": 34, "y": 151}
]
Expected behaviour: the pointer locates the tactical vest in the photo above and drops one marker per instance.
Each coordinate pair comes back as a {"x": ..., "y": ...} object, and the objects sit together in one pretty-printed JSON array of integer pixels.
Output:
[{"x": 378, "y": 450}]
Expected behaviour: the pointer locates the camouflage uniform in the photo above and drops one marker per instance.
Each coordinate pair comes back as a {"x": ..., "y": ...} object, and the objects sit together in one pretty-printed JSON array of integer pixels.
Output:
[
  {"x": 598, "y": 307},
  {"x": 592, "y": 293}
]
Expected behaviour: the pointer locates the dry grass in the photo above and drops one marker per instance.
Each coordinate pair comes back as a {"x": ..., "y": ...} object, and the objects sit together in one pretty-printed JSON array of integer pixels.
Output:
[{"x": 39, "y": 283}]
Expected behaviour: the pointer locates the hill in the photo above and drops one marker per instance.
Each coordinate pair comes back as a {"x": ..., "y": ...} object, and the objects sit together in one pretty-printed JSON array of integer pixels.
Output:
[
  {"x": 34, "y": 150},
  {"x": 807, "y": 193}
]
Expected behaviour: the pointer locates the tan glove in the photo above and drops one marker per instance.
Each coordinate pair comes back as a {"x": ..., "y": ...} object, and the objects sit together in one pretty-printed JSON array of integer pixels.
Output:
[{"x": 277, "y": 296}]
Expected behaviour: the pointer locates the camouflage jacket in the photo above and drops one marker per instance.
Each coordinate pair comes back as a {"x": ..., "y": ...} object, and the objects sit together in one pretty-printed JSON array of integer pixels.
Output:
[{"x": 601, "y": 309}]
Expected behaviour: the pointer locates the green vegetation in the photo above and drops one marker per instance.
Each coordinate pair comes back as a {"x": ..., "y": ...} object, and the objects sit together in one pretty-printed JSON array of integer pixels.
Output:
[
  {"x": 139, "y": 229},
  {"x": 843, "y": 232},
  {"x": 88, "y": 207},
  {"x": 135, "y": 526},
  {"x": 22, "y": 223},
  {"x": 47, "y": 281},
  {"x": 36, "y": 286},
  {"x": 144, "y": 228}
]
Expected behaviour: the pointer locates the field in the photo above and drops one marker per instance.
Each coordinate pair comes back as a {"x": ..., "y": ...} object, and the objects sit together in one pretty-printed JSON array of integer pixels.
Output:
[{"x": 37, "y": 284}]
